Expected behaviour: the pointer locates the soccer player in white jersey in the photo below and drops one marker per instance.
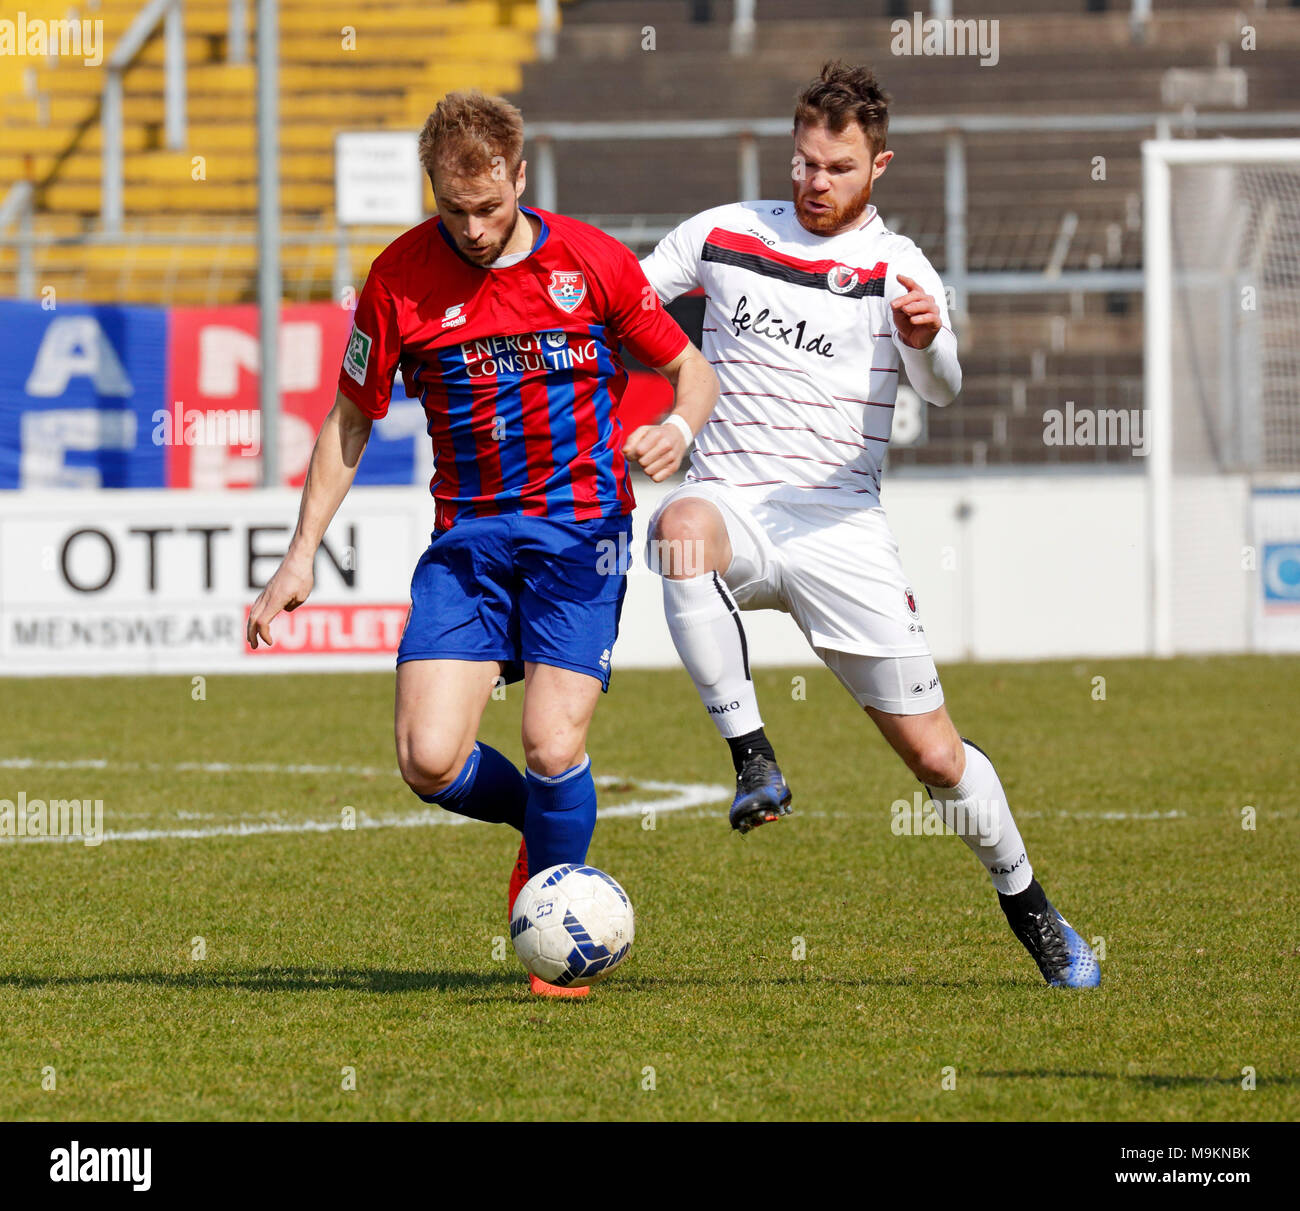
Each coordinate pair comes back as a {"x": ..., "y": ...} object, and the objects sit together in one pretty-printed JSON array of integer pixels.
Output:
[{"x": 812, "y": 304}]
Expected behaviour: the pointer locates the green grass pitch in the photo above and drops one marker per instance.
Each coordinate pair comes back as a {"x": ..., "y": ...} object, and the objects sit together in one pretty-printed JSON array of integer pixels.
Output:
[{"x": 372, "y": 949}]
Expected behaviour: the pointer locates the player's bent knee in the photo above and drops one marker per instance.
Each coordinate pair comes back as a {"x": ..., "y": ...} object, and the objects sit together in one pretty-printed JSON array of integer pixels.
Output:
[
  {"x": 428, "y": 766},
  {"x": 936, "y": 764},
  {"x": 690, "y": 520},
  {"x": 554, "y": 755},
  {"x": 690, "y": 538}
]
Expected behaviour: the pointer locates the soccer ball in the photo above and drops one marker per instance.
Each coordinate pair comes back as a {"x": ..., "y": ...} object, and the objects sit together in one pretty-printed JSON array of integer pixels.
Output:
[{"x": 571, "y": 925}]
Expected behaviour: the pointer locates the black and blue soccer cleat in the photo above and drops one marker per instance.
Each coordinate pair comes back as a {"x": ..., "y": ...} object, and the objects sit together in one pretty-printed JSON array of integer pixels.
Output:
[
  {"x": 1063, "y": 957},
  {"x": 761, "y": 794}
]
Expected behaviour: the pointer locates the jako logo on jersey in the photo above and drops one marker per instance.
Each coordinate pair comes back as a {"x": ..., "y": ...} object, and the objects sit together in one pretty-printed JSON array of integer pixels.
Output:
[
  {"x": 911, "y": 601},
  {"x": 568, "y": 290},
  {"x": 452, "y": 317},
  {"x": 841, "y": 278}
]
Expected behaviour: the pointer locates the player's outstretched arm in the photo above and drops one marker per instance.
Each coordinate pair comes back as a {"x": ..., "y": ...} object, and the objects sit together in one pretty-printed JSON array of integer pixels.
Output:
[
  {"x": 660, "y": 448},
  {"x": 339, "y": 446}
]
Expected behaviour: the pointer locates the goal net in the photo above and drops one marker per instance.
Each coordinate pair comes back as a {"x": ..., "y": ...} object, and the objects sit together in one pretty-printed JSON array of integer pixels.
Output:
[{"x": 1222, "y": 260}]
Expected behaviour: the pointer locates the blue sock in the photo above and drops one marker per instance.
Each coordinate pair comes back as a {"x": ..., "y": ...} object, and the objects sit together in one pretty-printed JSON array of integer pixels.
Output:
[
  {"x": 561, "y": 817},
  {"x": 489, "y": 787}
]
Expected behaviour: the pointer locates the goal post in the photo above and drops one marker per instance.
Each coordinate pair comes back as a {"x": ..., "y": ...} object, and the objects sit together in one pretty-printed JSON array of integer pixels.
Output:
[{"x": 1221, "y": 237}]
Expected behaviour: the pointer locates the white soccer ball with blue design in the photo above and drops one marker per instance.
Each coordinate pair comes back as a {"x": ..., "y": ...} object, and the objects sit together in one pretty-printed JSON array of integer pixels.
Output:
[{"x": 572, "y": 925}]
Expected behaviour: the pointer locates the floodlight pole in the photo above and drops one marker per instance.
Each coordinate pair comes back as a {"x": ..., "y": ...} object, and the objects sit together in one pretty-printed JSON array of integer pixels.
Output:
[{"x": 268, "y": 233}]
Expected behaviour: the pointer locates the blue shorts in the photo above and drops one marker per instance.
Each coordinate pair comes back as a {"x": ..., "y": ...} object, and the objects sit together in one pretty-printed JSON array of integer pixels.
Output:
[{"x": 518, "y": 588}]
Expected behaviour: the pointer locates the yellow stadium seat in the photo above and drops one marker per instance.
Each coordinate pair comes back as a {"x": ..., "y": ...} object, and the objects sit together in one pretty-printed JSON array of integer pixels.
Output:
[{"x": 344, "y": 65}]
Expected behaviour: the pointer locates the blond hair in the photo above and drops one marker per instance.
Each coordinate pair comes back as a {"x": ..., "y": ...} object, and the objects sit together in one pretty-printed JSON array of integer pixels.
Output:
[{"x": 469, "y": 134}]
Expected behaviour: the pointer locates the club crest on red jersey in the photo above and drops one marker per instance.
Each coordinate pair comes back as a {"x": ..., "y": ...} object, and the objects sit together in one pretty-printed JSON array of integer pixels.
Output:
[
  {"x": 568, "y": 290},
  {"x": 841, "y": 278}
]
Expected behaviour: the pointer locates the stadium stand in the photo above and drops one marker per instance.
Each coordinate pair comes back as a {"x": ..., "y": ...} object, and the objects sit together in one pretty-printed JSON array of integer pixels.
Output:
[
  {"x": 1034, "y": 199},
  {"x": 345, "y": 65}
]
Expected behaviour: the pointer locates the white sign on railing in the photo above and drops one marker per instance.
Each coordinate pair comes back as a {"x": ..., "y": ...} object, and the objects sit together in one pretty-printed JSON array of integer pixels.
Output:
[{"x": 377, "y": 179}]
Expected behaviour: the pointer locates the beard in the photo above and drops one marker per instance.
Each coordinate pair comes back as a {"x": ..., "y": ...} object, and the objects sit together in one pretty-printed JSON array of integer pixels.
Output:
[
  {"x": 485, "y": 255},
  {"x": 825, "y": 222}
]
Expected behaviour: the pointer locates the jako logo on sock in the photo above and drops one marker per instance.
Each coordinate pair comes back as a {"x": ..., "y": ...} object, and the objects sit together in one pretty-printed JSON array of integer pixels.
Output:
[{"x": 78, "y": 1164}]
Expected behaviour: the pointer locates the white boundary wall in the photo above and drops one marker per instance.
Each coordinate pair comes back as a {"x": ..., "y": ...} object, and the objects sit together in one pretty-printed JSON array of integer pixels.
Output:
[{"x": 1040, "y": 565}]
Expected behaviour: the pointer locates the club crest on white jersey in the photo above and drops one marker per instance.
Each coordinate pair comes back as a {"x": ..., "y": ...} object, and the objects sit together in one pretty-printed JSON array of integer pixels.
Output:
[{"x": 841, "y": 278}]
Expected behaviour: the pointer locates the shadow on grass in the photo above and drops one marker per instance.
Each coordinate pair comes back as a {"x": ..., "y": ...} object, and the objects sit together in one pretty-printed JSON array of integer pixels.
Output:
[
  {"x": 1150, "y": 1080},
  {"x": 280, "y": 979},
  {"x": 385, "y": 980}
]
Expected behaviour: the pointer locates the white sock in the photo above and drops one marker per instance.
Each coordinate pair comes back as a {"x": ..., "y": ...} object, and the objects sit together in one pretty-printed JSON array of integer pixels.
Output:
[
  {"x": 976, "y": 809},
  {"x": 704, "y": 621}
]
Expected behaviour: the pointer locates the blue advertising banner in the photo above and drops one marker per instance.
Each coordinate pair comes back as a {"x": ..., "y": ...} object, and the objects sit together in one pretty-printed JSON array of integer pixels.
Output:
[{"x": 79, "y": 385}]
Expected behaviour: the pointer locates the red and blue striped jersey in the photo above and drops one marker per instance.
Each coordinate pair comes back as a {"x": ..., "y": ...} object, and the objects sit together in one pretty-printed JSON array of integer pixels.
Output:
[{"x": 518, "y": 368}]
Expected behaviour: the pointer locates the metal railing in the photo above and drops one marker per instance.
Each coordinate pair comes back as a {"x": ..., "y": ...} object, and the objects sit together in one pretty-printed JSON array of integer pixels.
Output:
[
  {"x": 26, "y": 196},
  {"x": 955, "y": 130},
  {"x": 744, "y": 25},
  {"x": 170, "y": 14},
  {"x": 643, "y": 230},
  {"x": 17, "y": 209}
]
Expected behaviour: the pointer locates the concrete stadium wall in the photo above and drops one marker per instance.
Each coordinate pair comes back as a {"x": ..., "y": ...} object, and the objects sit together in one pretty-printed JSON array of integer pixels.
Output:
[{"x": 1003, "y": 567}]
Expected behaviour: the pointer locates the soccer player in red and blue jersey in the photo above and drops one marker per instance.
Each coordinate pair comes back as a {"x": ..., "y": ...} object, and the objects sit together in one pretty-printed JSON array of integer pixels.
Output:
[{"x": 507, "y": 323}]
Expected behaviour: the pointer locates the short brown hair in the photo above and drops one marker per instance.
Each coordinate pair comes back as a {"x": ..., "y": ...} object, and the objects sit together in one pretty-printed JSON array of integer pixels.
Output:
[
  {"x": 844, "y": 94},
  {"x": 470, "y": 134}
]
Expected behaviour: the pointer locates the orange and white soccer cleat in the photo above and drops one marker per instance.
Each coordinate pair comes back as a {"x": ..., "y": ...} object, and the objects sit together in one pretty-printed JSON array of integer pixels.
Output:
[
  {"x": 518, "y": 877},
  {"x": 542, "y": 989}
]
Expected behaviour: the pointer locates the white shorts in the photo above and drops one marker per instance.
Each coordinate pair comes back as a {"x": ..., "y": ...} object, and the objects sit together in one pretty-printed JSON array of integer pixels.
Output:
[{"x": 837, "y": 573}]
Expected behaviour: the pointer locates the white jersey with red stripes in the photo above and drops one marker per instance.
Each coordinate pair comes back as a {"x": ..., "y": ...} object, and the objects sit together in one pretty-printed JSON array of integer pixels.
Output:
[{"x": 800, "y": 331}]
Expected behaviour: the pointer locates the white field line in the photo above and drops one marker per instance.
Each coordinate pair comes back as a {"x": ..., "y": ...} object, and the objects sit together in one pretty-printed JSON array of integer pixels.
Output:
[
  {"x": 680, "y": 797},
  {"x": 1063, "y": 814},
  {"x": 197, "y": 767},
  {"x": 1066, "y": 814}
]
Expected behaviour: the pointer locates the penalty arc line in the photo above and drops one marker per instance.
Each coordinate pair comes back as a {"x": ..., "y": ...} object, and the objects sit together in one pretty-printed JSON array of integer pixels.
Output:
[
  {"x": 681, "y": 797},
  {"x": 196, "y": 767}
]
